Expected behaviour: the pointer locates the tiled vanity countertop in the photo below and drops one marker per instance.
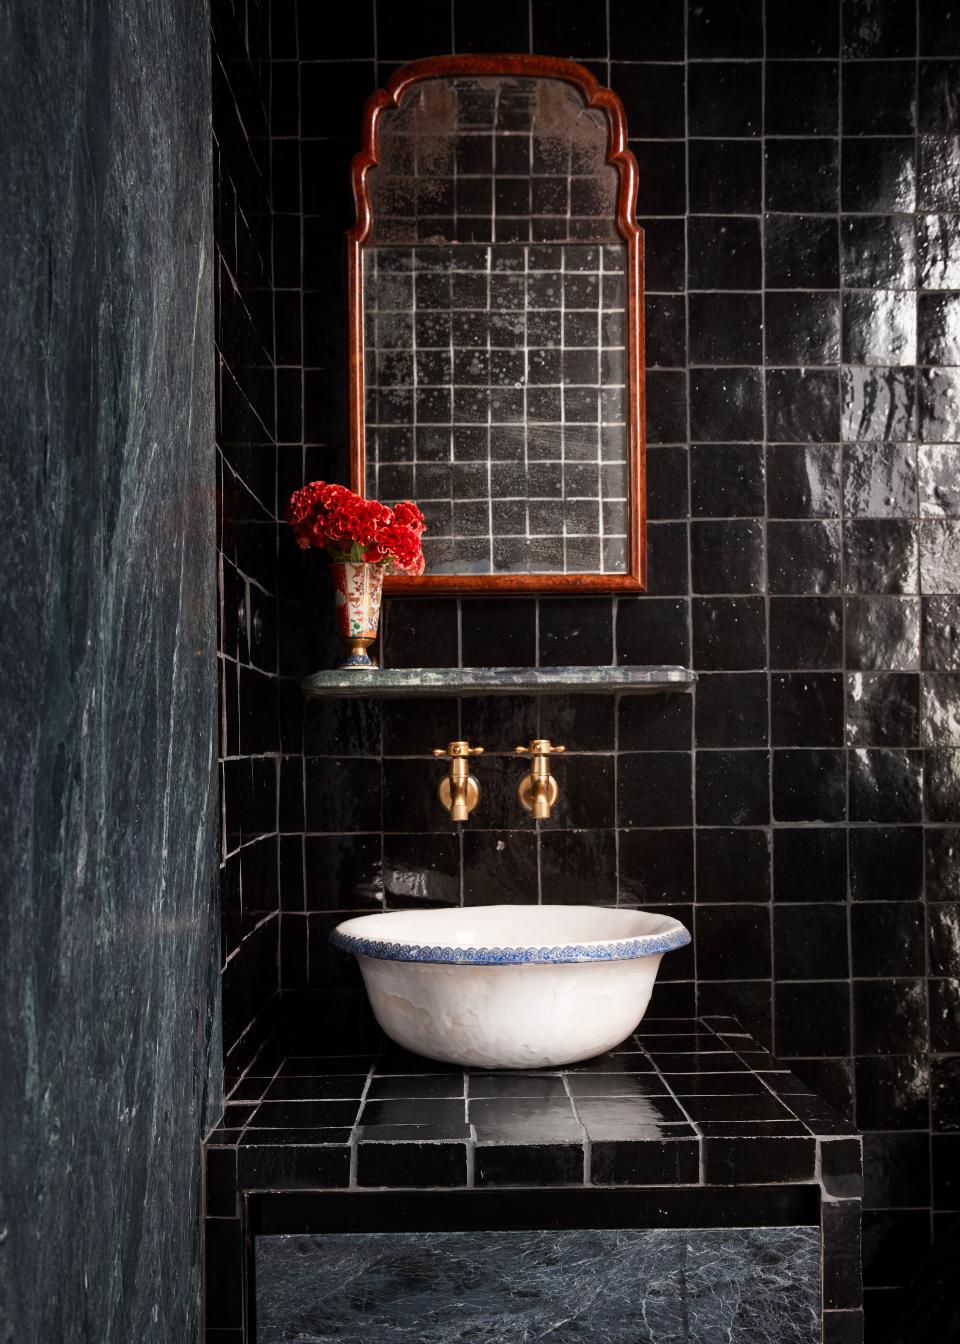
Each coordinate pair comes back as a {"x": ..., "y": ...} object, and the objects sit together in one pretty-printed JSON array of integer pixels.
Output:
[{"x": 683, "y": 1103}]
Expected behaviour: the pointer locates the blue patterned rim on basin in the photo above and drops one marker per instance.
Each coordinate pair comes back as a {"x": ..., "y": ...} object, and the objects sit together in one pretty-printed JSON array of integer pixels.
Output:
[{"x": 627, "y": 950}]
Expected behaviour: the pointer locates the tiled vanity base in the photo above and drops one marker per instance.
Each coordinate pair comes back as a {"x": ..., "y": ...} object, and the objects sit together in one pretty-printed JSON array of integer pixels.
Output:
[{"x": 686, "y": 1133}]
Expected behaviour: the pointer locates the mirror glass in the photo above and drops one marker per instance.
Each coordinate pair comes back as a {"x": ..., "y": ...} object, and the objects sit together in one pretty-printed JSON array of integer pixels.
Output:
[{"x": 495, "y": 327}]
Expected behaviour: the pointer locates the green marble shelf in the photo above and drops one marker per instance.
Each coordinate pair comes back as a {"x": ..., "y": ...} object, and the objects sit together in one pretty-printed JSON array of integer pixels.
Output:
[{"x": 384, "y": 683}]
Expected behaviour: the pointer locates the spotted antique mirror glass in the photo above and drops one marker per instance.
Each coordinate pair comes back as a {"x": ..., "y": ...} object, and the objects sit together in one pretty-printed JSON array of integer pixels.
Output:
[{"x": 496, "y": 333}]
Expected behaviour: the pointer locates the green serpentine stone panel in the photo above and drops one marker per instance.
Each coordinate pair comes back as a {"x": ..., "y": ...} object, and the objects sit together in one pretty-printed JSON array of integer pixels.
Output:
[
  {"x": 742, "y": 1285},
  {"x": 107, "y": 672}
]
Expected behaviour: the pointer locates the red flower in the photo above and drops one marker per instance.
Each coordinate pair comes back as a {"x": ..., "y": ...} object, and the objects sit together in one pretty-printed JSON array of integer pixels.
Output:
[{"x": 357, "y": 529}]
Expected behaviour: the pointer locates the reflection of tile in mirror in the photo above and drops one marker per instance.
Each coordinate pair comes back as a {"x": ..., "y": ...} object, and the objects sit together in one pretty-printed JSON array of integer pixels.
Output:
[{"x": 496, "y": 397}]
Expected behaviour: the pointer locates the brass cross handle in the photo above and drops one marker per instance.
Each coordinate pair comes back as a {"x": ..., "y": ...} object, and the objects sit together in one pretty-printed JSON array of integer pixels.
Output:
[
  {"x": 540, "y": 746},
  {"x": 455, "y": 749}
]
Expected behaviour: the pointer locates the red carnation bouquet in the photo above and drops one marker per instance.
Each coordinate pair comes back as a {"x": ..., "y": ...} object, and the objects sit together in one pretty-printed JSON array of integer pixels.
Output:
[{"x": 355, "y": 530}]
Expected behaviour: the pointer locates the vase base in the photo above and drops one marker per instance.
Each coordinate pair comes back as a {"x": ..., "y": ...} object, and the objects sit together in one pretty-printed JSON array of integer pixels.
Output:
[{"x": 358, "y": 656}]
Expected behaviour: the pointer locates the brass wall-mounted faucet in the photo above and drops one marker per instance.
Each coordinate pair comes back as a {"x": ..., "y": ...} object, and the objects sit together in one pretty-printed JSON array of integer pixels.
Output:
[
  {"x": 538, "y": 789},
  {"x": 459, "y": 791}
]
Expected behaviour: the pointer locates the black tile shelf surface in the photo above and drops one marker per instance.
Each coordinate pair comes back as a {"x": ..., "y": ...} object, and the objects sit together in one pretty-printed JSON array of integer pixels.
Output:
[
  {"x": 682, "y": 1104},
  {"x": 391, "y": 683}
]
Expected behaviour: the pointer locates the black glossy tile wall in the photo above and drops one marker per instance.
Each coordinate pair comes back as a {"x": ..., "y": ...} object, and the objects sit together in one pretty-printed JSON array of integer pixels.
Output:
[
  {"x": 254, "y": 628},
  {"x": 800, "y": 201}
]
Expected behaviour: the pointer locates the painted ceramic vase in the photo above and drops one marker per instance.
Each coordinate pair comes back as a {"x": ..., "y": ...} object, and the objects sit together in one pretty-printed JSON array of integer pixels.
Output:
[{"x": 357, "y": 590}]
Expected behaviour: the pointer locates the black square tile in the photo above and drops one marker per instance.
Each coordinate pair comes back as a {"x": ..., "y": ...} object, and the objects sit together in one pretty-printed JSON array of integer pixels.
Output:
[
  {"x": 879, "y": 28},
  {"x": 564, "y": 28},
  {"x": 406, "y": 1164},
  {"x": 809, "y": 785},
  {"x": 731, "y": 710},
  {"x": 806, "y": 632},
  {"x": 732, "y": 788},
  {"x": 886, "y": 784},
  {"x": 814, "y": 33},
  {"x": 498, "y": 632},
  {"x": 810, "y": 941},
  {"x": 660, "y": 41},
  {"x": 802, "y": 251},
  {"x": 803, "y": 481},
  {"x": 883, "y": 709},
  {"x": 726, "y": 405},
  {"x": 802, "y": 174},
  {"x": 892, "y": 1091},
  {"x": 499, "y": 867},
  {"x": 841, "y": 1168},
  {"x": 734, "y": 29},
  {"x": 654, "y": 723},
  {"x": 726, "y": 481},
  {"x": 879, "y": 175},
  {"x": 887, "y": 938},
  {"x": 656, "y": 867},
  {"x": 650, "y": 631},
  {"x": 896, "y": 1242},
  {"x": 802, "y": 98},
  {"x": 724, "y": 98},
  {"x": 525, "y": 1120},
  {"x": 879, "y": 327},
  {"x": 645, "y": 1162},
  {"x": 653, "y": 98},
  {"x": 812, "y": 1017},
  {"x": 729, "y": 633},
  {"x": 881, "y": 555},
  {"x": 724, "y": 177},
  {"x": 498, "y": 1164},
  {"x": 803, "y": 405},
  {"x": 877, "y": 252},
  {"x": 801, "y": 328},
  {"x": 654, "y": 789},
  {"x": 756, "y": 1161},
  {"x": 725, "y": 252},
  {"x": 733, "y": 943},
  {"x": 886, "y": 863},
  {"x": 889, "y": 1016},
  {"x": 806, "y": 709},
  {"x": 472, "y": 27},
  {"x": 883, "y": 633},
  {"x": 578, "y": 867},
  {"x": 803, "y": 557},
  {"x": 725, "y": 328},
  {"x": 879, "y": 97},
  {"x": 631, "y": 1117},
  {"x": 810, "y": 864},
  {"x": 727, "y": 556},
  {"x": 575, "y": 631},
  {"x": 937, "y": 111}
]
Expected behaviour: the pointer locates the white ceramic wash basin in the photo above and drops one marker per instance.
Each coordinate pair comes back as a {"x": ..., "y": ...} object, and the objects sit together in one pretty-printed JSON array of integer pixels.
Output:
[{"x": 510, "y": 986}]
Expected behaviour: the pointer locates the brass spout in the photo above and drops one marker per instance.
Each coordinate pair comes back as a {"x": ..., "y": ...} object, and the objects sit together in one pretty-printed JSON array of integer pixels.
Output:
[
  {"x": 538, "y": 789},
  {"x": 459, "y": 791}
]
